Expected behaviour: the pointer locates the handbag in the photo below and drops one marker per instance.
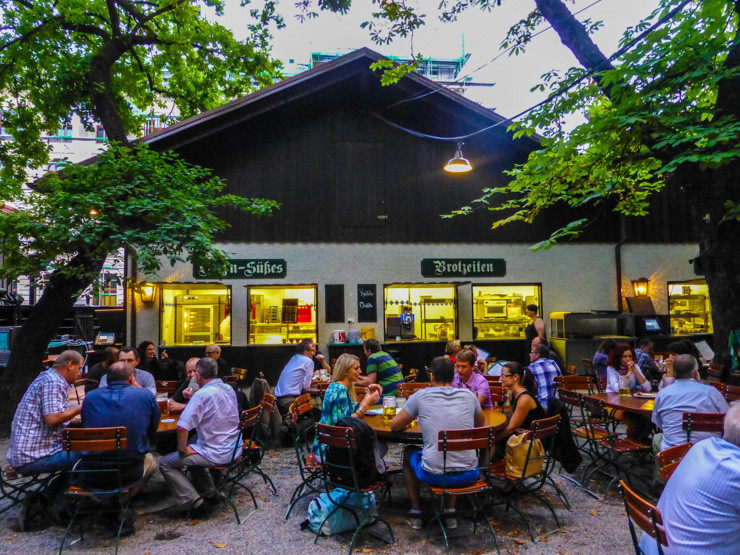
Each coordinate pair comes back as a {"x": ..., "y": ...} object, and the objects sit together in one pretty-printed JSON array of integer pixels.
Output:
[{"x": 517, "y": 447}]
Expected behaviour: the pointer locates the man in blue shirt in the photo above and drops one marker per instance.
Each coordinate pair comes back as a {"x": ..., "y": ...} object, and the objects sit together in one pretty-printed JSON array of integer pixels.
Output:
[
  {"x": 686, "y": 394},
  {"x": 142, "y": 378},
  {"x": 544, "y": 371},
  {"x": 700, "y": 504},
  {"x": 122, "y": 403}
]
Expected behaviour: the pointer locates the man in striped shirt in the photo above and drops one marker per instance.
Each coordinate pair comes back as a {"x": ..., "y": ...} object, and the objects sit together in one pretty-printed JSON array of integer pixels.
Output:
[{"x": 381, "y": 368}]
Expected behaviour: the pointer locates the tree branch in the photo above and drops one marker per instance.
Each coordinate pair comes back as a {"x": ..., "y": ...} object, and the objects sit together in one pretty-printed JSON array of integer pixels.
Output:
[{"x": 115, "y": 21}]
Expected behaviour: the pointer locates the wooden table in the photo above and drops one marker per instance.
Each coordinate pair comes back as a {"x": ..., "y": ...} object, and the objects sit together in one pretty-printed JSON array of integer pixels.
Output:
[
  {"x": 629, "y": 404},
  {"x": 412, "y": 434},
  {"x": 168, "y": 426}
]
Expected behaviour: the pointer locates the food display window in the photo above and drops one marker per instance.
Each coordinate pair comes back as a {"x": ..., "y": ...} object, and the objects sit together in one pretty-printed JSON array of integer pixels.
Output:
[
  {"x": 425, "y": 312},
  {"x": 282, "y": 314},
  {"x": 689, "y": 307},
  {"x": 195, "y": 314},
  {"x": 499, "y": 311}
]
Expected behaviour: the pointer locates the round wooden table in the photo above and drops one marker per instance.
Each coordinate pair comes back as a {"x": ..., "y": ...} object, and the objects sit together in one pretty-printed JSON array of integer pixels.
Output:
[
  {"x": 412, "y": 434},
  {"x": 629, "y": 404},
  {"x": 168, "y": 426}
]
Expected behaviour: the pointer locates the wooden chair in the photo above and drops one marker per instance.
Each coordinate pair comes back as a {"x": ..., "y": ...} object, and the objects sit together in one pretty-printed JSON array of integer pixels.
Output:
[
  {"x": 575, "y": 383},
  {"x": 731, "y": 393},
  {"x": 230, "y": 380},
  {"x": 669, "y": 459},
  {"x": 702, "y": 422},
  {"x": 500, "y": 397},
  {"x": 91, "y": 385},
  {"x": 531, "y": 483},
  {"x": 719, "y": 386},
  {"x": 303, "y": 430},
  {"x": 572, "y": 401},
  {"x": 241, "y": 377},
  {"x": 451, "y": 441},
  {"x": 13, "y": 486},
  {"x": 406, "y": 390},
  {"x": 96, "y": 500},
  {"x": 341, "y": 438},
  {"x": 77, "y": 385},
  {"x": 646, "y": 516},
  {"x": 570, "y": 369},
  {"x": 168, "y": 387},
  {"x": 411, "y": 377},
  {"x": 493, "y": 380}
]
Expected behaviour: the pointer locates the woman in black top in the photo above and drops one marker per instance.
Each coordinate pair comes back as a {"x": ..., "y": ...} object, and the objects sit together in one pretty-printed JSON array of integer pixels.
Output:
[
  {"x": 524, "y": 404},
  {"x": 536, "y": 326}
]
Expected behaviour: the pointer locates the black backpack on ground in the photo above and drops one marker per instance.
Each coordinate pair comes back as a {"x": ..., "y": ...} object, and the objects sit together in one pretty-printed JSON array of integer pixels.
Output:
[{"x": 364, "y": 456}]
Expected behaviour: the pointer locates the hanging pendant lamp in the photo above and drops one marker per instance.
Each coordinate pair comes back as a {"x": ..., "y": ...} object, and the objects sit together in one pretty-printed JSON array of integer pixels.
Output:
[{"x": 458, "y": 164}]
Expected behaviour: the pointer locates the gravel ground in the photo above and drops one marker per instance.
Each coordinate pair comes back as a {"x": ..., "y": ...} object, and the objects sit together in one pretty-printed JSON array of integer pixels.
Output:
[{"x": 591, "y": 527}]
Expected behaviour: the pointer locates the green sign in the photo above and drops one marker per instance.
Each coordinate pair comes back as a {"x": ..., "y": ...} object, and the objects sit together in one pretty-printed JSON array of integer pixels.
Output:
[
  {"x": 463, "y": 267},
  {"x": 248, "y": 268}
]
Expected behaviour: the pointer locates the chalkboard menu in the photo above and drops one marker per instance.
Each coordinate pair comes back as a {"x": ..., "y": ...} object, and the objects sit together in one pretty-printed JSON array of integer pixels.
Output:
[
  {"x": 367, "y": 306},
  {"x": 334, "y": 303}
]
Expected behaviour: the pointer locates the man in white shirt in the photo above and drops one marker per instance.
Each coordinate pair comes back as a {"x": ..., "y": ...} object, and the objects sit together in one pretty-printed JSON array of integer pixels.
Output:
[
  {"x": 296, "y": 376},
  {"x": 213, "y": 413},
  {"x": 141, "y": 377}
]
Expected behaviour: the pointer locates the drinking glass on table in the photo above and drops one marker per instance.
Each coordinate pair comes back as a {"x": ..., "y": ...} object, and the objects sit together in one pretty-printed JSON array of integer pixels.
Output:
[
  {"x": 389, "y": 408},
  {"x": 164, "y": 404},
  {"x": 624, "y": 386}
]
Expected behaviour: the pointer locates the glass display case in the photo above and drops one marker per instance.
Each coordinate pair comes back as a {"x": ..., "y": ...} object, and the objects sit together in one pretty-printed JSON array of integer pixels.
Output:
[
  {"x": 421, "y": 311},
  {"x": 195, "y": 314},
  {"x": 499, "y": 311},
  {"x": 689, "y": 307},
  {"x": 282, "y": 314}
]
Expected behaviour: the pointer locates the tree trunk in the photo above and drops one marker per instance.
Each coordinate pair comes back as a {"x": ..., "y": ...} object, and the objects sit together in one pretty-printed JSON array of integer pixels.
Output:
[{"x": 42, "y": 325}]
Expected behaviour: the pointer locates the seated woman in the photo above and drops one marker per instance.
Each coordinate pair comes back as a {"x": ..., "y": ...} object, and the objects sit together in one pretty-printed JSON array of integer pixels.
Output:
[
  {"x": 621, "y": 366},
  {"x": 524, "y": 404},
  {"x": 340, "y": 399},
  {"x": 601, "y": 356},
  {"x": 452, "y": 348},
  {"x": 162, "y": 369}
]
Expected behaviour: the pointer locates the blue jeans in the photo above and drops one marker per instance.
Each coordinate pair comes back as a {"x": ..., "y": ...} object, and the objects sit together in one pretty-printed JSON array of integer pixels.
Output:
[
  {"x": 53, "y": 463},
  {"x": 451, "y": 479}
]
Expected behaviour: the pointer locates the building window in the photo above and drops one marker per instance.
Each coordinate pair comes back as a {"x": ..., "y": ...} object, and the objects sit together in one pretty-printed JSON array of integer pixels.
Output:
[
  {"x": 499, "y": 311},
  {"x": 193, "y": 314},
  {"x": 152, "y": 124},
  {"x": 105, "y": 291},
  {"x": 100, "y": 133},
  {"x": 55, "y": 165},
  {"x": 422, "y": 311},
  {"x": 282, "y": 314},
  {"x": 689, "y": 307}
]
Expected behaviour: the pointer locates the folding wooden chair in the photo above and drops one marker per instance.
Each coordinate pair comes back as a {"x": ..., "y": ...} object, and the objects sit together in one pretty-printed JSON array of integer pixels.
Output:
[
  {"x": 309, "y": 467},
  {"x": 646, "y": 516},
  {"x": 91, "y": 385},
  {"x": 342, "y": 438},
  {"x": 702, "y": 422},
  {"x": 241, "y": 377},
  {"x": 406, "y": 390},
  {"x": 14, "y": 486},
  {"x": 230, "y": 380},
  {"x": 450, "y": 441},
  {"x": 731, "y": 393},
  {"x": 575, "y": 383},
  {"x": 493, "y": 380},
  {"x": 500, "y": 398},
  {"x": 669, "y": 459}
]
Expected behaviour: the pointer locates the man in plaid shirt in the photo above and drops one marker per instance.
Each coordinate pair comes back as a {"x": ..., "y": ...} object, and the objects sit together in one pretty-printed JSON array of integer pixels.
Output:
[
  {"x": 544, "y": 371},
  {"x": 36, "y": 433}
]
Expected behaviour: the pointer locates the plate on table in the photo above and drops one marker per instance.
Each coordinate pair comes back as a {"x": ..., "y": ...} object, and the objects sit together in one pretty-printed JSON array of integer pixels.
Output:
[
  {"x": 167, "y": 420},
  {"x": 641, "y": 395},
  {"x": 375, "y": 412}
]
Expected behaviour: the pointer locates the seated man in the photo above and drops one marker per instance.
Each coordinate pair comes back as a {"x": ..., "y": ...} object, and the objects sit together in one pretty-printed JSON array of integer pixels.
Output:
[
  {"x": 224, "y": 368},
  {"x": 110, "y": 355},
  {"x": 699, "y": 504},
  {"x": 186, "y": 389},
  {"x": 36, "y": 432},
  {"x": 381, "y": 368},
  {"x": 296, "y": 376},
  {"x": 212, "y": 412},
  {"x": 686, "y": 394},
  {"x": 121, "y": 403},
  {"x": 552, "y": 355},
  {"x": 544, "y": 371},
  {"x": 142, "y": 377},
  {"x": 465, "y": 377},
  {"x": 439, "y": 407}
]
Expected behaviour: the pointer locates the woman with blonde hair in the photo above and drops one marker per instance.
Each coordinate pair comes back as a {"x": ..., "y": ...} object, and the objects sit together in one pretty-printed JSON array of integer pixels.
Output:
[
  {"x": 340, "y": 399},
  {"x": 452, "y": 348}
]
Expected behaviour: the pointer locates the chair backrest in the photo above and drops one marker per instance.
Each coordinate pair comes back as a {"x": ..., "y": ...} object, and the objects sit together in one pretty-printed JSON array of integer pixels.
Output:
[
  {"x": 570, "y": 369},
  {"x": 570, "y": 398},
  {"x": 669, "y": 459},
  {"x": 544, "y": 428},
  {"x": 406, "y": 390},
  {"x": 322, "y": 387},
  {"x": 592, "y": 409},
  {"x": 601, "y": 383},
  {"x": 588, "y": 364},
  {"x": 702, "y": 422},
  {"x": 493, "y": 380},
  {"x": 467, "y": 440},
  {"x": 645, "y": 515},
  {"x": 230, "y": 380},
  {"x": 338, "y": 437},
  {"x": 168, "y": 387},
  {"x": 240, "y": 373},
  {"x": 585, "y": 383},
  {"x": 91, "y": 385},
  {"x": 94, "y": 439},
  {"x": 718, "y": 385},
  {"x": 732, "y": 393},
  {"x": 499, "y": 395}
]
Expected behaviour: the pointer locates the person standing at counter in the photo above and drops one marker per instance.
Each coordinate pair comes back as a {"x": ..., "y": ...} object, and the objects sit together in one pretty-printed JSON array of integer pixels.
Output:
[
  {"x": 381, "y": 368},
  {"x": 536, "y": 326}
]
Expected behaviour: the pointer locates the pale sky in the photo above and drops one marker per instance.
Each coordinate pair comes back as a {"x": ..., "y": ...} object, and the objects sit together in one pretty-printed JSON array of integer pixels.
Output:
[{"x": 482, "y": 33}]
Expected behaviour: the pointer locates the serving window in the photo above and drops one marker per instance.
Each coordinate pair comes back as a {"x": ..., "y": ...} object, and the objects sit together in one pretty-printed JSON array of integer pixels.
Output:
[
  {"x": 499, "y": 311},
  {"x": 282, "y": 314},
  {"x": 195, "y": 314},
  {"x": 689, "y": 307},
  {"x": 426, "y": 312}
]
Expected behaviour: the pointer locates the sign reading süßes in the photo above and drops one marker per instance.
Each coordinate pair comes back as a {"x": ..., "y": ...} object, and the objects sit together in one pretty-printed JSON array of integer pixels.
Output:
[
  {"x": 248, "y": 268},
  {"x": 463, "y": 267}
]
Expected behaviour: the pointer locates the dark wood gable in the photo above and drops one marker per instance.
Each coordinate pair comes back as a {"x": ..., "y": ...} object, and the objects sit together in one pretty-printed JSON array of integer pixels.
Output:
[{"x": 316, "y": 144}]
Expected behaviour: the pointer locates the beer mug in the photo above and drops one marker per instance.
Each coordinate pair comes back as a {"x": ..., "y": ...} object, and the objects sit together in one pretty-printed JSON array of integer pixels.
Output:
[
  {"x": 624, "y": 386},
  {"x": 389, "y": 408},
  {"x": 164, "y": 404}
]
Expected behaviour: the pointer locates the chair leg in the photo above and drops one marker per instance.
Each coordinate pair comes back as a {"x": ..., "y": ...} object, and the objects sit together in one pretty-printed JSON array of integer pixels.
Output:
[
  {"x": 561, "y": 493},
  {"x": 69, "y": 526},
  {"x": 267, "y": 480}
]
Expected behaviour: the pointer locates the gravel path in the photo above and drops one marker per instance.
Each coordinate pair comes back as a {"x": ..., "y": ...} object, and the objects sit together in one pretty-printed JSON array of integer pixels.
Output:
[{"x": 591, "y": 527}]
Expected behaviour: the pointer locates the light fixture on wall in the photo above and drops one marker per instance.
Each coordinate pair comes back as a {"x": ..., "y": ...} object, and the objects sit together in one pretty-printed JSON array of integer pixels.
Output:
[
  {"x": 458, "y": 164},
  {"x": 146, "y": 290},
  {"x": 641, "y": 287}
]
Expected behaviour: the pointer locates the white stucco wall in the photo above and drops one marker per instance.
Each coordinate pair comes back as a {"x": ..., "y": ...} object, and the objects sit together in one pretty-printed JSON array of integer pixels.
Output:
[{"x": 574, "y": 277}]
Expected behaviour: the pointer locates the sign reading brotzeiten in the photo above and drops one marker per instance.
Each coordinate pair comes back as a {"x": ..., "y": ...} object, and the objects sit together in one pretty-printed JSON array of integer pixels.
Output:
[
  {"x": 248, "y": 268},
  {"x": 463, "y": 267}
]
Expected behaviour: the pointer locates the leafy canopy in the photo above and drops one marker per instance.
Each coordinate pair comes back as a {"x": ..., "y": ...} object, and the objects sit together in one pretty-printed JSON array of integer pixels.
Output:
[{"x": 152, "y": 202}]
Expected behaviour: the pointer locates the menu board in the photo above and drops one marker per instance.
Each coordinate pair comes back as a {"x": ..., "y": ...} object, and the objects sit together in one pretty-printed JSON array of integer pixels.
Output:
[{"x": 367, "y": 305}]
